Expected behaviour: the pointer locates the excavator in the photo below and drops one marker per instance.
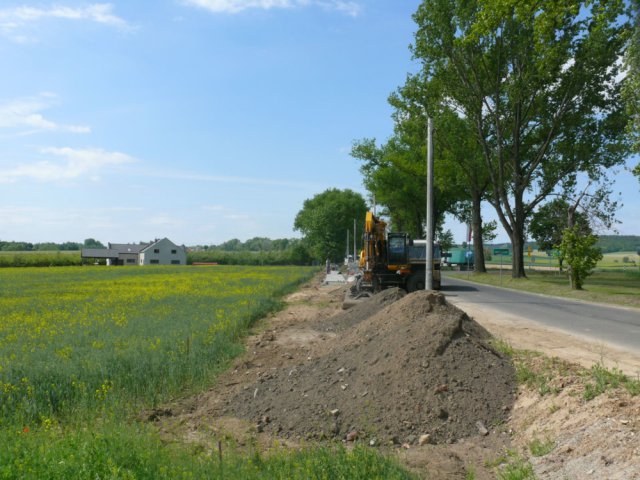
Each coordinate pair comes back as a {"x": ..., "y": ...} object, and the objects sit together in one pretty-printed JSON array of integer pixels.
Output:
[{"x": 391, "y": 260}]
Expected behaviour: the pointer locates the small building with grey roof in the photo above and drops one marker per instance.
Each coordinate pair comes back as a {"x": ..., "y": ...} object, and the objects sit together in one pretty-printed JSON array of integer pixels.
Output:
[{"x": 159, "y": 252}]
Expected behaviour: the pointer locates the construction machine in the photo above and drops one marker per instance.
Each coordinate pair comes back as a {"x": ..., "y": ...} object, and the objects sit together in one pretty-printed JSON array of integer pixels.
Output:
[{"x": 392, "y": 260}]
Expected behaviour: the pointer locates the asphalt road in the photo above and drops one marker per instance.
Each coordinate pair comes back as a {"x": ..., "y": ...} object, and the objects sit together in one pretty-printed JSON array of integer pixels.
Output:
[{"x": 618, "y": 326}]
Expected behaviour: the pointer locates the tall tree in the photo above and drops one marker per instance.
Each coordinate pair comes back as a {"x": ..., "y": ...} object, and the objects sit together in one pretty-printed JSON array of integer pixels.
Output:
[
  {"x": 631, "y": 83},
  {"x": 325, "y": 218},
  {"x": 460, "y": 170},
  {"x": 395, "y": 172},
  {"x": 92, "y": 243},
  {"x": 537, "y": 80}
]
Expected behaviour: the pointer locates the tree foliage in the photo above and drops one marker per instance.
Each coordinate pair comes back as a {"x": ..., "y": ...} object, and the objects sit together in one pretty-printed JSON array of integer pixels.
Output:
[
  {"x": 551, "y": 220},
  {"x": 580, "y": 253},
  {"x": 631, "y": 83},
  {"x": 92, "y": 243},
  {"x": 446, "y": 240},
  {"x": 395, "y": 172},
  {"x": 255, "y": 244},
  {"x": 394, "y": 182},
  {"x": 13, "y": 246},
  {"x": 548, "y": 224},
  {"x": 537, "y": 81},
  {"x": 325, "y": 219}
]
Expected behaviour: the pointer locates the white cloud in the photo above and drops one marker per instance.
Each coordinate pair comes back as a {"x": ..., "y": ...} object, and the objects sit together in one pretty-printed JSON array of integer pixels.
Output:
[
  {"x": 352, "y": 9},
  {"x": 25, "y": 113},
  {"x": 13, "y": 20},
  {"x": 77, "y": 163},
  {"x": 235, "y": 6}
]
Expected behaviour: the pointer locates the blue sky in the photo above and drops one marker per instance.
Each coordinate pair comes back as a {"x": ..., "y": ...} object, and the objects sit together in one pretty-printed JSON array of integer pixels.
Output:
[{"x": 199, "y": 120}]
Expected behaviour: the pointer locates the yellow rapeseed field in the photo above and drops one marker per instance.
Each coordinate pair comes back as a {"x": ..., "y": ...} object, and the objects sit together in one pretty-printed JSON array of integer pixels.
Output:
[{"x": 86, "y": 341}]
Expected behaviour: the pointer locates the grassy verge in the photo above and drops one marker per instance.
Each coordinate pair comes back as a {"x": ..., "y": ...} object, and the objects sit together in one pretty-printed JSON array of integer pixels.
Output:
[
  {"x": 132, "y": 452},
  {"x": 616, "y": 288},
  {"x": 544, "y": 374},
  {"x": 550, "y": 376}
]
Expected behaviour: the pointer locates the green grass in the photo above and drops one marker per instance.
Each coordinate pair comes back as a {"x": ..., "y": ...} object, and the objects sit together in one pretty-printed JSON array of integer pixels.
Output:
[
  {"x": 517, "y": 469},
  {"x": 600, "y": 379},
  {"x": 134, "y": 452},
  {"x": 612, "y": 287},
  {"x": 540, "y": 448},
  {"x": 511, "y": 466},
  {"x": 537, "y": 372},
  {"x": 619, "y": 260},
  {"x": 615, "y": 261}
]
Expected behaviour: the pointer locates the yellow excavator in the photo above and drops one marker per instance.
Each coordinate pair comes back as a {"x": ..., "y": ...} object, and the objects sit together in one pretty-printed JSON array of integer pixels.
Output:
[{"x": 392, "y": 260}]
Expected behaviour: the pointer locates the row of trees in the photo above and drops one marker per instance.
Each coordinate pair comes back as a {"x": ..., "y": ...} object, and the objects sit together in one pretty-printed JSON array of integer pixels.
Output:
[
  {"x": 530, "y": 102},
  {"x": 533, "y": 111},
  {"x": 48, "y": 246},
  {"x": 618, "y": 243},
  {"x": 255, "y": 244},
  {"x": 255, "y": 251}
]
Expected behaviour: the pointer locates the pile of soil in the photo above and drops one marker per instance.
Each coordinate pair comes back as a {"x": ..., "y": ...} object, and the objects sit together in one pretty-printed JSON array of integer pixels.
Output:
[
  {"x": 403, "y": 369},
  {"x": 361, "y": 311}
]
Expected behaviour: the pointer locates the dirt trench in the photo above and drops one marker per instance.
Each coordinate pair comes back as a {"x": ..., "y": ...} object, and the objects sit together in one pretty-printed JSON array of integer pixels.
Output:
[{"x": 411, "y": 375}]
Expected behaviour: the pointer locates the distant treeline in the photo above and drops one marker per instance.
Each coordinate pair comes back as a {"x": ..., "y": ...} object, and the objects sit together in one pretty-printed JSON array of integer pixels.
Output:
[
  {"x": 37, "y": 259},
  {"x": 255, "y": 244},
  {"x": 618, "y": 243},
  {"x": 255, "y": 251},
  {"x": 49, "y": 246}
]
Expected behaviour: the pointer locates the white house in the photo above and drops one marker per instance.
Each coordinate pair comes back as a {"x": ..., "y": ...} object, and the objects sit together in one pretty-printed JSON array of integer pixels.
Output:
[
  {"x": 158, "y": 252},
  {"x": 162, "y": 252}
]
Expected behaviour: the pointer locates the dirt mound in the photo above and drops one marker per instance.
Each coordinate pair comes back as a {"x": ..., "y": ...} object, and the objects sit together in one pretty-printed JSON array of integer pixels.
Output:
[
  {"x": 361, "y": 311},
  {"x": 404, "y": 369}
]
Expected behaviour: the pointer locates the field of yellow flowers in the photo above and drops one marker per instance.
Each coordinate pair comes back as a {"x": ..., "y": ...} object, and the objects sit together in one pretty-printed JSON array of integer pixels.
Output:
[
  {"x": 84, "y": 349},
  {"x": 76, "y": 341}
]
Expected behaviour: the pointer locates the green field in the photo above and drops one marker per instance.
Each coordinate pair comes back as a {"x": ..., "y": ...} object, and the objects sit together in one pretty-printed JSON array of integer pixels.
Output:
[
  {"x": 615, "y": 261},
  {"x": 620, "y": 260},
  {"x": 84, "y": 350}
]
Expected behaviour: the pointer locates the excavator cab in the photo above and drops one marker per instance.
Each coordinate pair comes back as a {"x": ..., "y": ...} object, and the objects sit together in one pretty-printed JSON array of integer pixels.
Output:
[{"x": 397, "y": 246}]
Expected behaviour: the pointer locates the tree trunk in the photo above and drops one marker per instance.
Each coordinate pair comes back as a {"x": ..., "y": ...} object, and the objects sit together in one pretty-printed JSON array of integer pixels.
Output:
[
  {"x": 476, "y": 227},
  {"x": 517, "y": 239},
  {"x": 517, "y": 260}
]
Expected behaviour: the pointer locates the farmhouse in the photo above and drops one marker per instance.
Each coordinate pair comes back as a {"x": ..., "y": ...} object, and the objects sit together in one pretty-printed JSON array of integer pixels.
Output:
[{"x": 158, "y": 252}]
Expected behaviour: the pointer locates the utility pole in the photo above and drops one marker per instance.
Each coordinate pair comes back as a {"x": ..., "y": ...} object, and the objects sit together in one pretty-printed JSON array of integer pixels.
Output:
[
  {"x": 428, "y": 267},
  {"x": 347, "y": 252},
  {"x": 354, "y": 240}
]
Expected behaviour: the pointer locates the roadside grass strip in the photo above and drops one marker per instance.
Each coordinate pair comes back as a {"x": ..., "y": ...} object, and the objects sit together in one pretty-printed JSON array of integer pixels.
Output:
[
  {"x": 604, "y": 286},
  {"x": 135, "y": 452}
]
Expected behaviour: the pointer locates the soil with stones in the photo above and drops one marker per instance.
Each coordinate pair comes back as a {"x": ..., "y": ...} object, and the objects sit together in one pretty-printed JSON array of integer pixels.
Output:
[{"x": 415, "y": 368}]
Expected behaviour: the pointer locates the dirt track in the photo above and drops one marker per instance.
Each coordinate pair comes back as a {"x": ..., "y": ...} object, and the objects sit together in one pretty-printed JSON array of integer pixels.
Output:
[{"x": 314, "y": 372}]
